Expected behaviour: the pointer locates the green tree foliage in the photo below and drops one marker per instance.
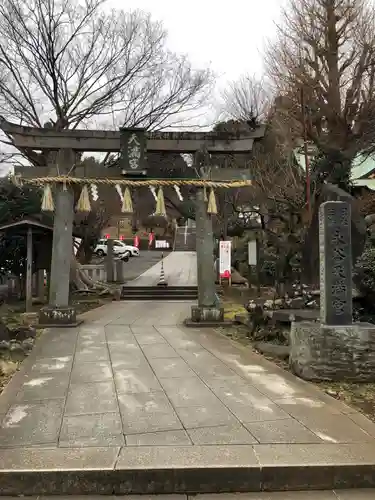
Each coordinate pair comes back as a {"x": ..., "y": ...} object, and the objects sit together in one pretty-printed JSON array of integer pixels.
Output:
[{"x": 331, "y": 166}]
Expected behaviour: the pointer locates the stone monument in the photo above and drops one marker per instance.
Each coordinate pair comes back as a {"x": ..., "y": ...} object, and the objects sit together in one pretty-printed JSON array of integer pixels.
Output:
[
  {"x": 310, "y": 248},
  {"x": 334, "y": 348}
]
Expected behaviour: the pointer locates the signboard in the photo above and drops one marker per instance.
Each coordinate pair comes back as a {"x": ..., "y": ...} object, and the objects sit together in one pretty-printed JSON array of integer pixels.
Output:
[
  {"x": 252, "y": 253},
  {"x": 225, "y": 259},
  {"x": 161, "y": 244},
  {"x": 133, "y": 151}
]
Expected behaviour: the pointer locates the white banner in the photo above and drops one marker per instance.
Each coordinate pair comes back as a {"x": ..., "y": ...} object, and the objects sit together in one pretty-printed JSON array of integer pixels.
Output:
[
  {"x": 252, "y": 252},
  {"x": 161, "y": 244},
  {"x": 225, "y": 259}
]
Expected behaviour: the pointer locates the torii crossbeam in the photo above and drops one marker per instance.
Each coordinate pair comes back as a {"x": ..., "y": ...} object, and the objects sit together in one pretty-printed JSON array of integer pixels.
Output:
[{"x": 109, "y": 141}]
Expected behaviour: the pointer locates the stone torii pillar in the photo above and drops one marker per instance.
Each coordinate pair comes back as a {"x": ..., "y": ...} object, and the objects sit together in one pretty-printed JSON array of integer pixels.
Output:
[
  {"x": 208, "y": 312},
  {"x": 59, "y": 313}
]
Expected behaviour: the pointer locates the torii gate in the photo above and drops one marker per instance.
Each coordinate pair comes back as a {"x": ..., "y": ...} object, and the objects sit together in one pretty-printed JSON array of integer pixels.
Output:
[{"x": 133, "y": 165}]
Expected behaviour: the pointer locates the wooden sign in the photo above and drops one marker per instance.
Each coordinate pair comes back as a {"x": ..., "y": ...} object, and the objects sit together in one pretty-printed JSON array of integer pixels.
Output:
[{"x": 133, "y": 151}]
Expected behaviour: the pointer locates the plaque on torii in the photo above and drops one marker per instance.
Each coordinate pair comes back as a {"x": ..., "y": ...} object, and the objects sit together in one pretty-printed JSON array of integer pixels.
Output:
[{"x": 133, "y": 145}]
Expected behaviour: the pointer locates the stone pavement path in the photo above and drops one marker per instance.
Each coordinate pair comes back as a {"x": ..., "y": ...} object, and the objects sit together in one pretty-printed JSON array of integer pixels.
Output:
[
  {"x": 180, "y": 269},
  {"x": 133, "y": 392},
  {"x": 138, "y": 265},
  {"x": 133, "y": 376}
]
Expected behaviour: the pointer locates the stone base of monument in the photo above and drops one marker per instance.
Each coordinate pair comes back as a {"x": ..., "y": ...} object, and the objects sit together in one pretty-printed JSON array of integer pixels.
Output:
[
  {"x": 337, "y": 353},
  {"x": 203, "y": 316},
  {"x": 58, "y": 317}
]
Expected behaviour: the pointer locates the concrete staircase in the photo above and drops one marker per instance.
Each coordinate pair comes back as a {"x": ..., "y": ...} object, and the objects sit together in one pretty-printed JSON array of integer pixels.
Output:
[
  {"x": 185, "y": 239},
  {"x": 172, "y": 293}
]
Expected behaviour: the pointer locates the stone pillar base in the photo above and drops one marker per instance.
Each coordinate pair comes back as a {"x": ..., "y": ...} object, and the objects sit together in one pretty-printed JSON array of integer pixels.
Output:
[
  {"x": 58, "y": 317},
  {"x": 206, "y": 316},
  {"x": 338, "y": 353}
]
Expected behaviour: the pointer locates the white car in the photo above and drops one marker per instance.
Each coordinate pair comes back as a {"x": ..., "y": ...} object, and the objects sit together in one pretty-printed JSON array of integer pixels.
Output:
[
  {"x": 119, "y": 248},
  {"x": 134, "y": 251}
]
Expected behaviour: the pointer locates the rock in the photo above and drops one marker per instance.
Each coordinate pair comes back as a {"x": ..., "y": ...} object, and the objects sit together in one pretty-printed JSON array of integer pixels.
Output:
[
  {"x": 16, "y": 351},
  {"x": 29, "y": 319},
  {"x": 275, "y": 350},
  {"x": 278, "y": 302},
  {"x": 312, "y": 304},
  {"x": 251, "y": 306},
  {"x": 4, "y": 332},
  {"x": 4, "y": 345},
  {"x": 331, "y": 393},
  {"x": 297, "y": 303},
  {"x": 237, "y": 279},
  {"x": 14, "y": 346},
  {"x": 117, "y": 294},
  {"x": 23, "y": 332},
  {"x": 242, "y": 319},
  {"x": 28, "y": 344}
]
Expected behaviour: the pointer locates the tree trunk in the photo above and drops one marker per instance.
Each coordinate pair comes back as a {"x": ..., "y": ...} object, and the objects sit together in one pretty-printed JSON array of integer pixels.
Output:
[
  {"x": 84, "y": 253},
  {"x": 79, "y": 279}
]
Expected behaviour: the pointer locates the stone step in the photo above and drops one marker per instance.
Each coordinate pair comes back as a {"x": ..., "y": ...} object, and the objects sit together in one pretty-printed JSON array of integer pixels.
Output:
[
  {"x": 185, "y": 469},
  {"x": 159, "y": 293},
  {"x": 173, "y": 288},
  {"x": 185, "y": 240},
  {"x": 141, "y": 297}
]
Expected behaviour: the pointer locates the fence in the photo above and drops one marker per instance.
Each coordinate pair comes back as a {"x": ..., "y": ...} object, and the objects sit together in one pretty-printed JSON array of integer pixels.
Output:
[
  {"x": 13, "y": 286},
  {"x": 98, "y": 272}
]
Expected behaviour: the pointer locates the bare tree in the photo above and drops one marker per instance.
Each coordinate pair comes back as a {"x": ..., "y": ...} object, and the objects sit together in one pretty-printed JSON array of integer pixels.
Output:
[
  {"x": 322, "y": 62},
  {"x": 247, "y": 99},
  {"x": 70, "y": 63}
]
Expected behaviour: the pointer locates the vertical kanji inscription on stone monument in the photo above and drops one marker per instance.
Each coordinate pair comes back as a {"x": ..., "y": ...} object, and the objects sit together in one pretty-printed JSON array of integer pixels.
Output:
[{"x": 335, "y": 263}]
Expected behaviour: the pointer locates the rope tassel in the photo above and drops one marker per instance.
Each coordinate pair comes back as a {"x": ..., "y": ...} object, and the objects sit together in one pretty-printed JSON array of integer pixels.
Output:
[
  {"x": 83, "y": 203},
  {"x": 47, "y": 200},
  {"x": 212, "y": 207},
  {"x": 127, "y": 204},
  {"x": 160, "y": 203}
]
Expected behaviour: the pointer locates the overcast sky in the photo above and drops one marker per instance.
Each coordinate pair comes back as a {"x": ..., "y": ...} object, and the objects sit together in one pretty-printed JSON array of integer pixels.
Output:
[{"x": 228, "y": 36}]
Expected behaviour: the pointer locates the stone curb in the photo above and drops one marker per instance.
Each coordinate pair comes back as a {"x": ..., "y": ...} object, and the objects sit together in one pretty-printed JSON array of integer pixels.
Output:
[
  {"x": 207, "y": 324},
  {"x": 62, "y": 325},
  {"x": 198, "y": 469}
]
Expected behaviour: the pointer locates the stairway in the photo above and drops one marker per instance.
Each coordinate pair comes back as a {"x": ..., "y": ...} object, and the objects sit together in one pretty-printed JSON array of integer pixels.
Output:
[
  {"x": 183, "y": 293},
  {"x": 185, "y": 239}
]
